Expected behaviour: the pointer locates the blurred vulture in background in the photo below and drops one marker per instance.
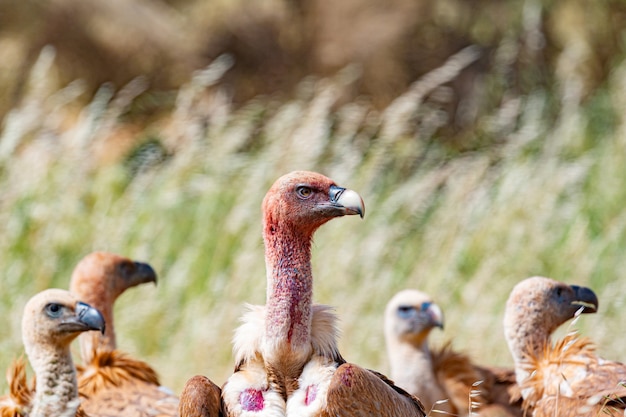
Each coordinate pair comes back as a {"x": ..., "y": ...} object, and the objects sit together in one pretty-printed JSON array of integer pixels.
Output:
[
  {"x": 111, "y": 383},
  {"x": 444, "y": 380},
  {"x": 567, "y": 378}
]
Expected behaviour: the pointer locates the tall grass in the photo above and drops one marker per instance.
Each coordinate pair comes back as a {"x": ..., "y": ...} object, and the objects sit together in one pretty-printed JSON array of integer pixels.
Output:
[{"x": 465, "y": 228}]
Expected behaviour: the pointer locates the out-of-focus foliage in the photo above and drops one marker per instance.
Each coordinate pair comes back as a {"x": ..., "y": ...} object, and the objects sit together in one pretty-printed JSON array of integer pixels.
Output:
[{"x": 276, "y": 43}]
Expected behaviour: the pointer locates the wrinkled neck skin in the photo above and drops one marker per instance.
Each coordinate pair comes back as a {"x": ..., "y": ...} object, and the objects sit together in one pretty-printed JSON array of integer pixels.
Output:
[
  {"x": 289, "y": 297},
  {"x": 412, "y": 369},
  {"x": 56, "y": 391}
]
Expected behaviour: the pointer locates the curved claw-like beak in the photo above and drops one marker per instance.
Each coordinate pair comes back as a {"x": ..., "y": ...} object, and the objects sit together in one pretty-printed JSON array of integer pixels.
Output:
[
  {"x": 435, "y": 314},
  {"x": 585, "y": 298},
  {"x": 349, "y": 200},
  {"x": 144, "y": 273},
  {"x": 89, "y": 317}
]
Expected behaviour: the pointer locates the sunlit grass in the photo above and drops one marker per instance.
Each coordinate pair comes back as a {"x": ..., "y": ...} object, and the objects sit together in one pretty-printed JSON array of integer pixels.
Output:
[{"x": 465, "y": 229}]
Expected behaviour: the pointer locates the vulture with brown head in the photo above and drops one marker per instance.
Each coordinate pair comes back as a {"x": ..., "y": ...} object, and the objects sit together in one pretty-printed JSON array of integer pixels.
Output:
[
  {"x": 52, "y": 319},
  {"x": 444, "y": 380},
  {"x": 565, "y": 378},
  {"x": 111, "y": 382},
  {"x": 287, "y": 359}
]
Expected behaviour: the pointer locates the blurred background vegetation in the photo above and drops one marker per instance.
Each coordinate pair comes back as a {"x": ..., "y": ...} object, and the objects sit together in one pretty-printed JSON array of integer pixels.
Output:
[{"x": 487, "y": 139}]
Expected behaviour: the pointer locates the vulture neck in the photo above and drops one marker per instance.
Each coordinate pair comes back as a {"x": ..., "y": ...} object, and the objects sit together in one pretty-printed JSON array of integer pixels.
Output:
[
  {"x": 412, "y": 369},
  {"x": 289, "y": 289},
  {"x": 56, "y": 387},
  {"x": 526, "y": 336}
]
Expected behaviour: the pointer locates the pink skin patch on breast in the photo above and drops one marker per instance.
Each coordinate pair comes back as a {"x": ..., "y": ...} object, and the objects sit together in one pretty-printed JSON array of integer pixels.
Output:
[
  {"x": 311, "y": 393},
  {"x": 251, "y": 400}
]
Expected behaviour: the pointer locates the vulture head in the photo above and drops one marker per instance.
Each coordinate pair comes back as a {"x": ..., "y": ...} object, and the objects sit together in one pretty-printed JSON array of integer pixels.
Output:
[
  {"x": 304, "y": 201},
  {"x": 107, "y": 275},
  {"x": 54, "y": 317},
  {"x": 410, "y": 316},
  {"x": 536, "y": 307}
]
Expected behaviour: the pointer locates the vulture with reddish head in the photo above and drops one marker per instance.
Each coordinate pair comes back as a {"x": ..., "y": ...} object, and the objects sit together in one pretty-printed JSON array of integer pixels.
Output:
[
  {"x": 287, "y": 359},
  {"x": 52, "y": 319},
  {"x": 565, "y": 378},
  {"x": 444, "y": 380},
  {"x": 111, "y": 382}
]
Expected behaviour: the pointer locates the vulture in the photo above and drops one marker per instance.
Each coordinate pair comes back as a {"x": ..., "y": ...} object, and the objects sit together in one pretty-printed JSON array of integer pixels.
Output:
[
  {"x": 565, "y": 378},
  {"x": 52, "y": 319},
  {"x": 111, "y": 382},
  {"x": 200, "y": 398},
  {"x": 286, "y": 354},
  {"x": 445, "y": 381}
]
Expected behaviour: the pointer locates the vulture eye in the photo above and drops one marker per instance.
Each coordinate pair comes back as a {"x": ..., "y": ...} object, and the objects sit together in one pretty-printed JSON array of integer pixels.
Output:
[
  {"x": 126, "y": 268},
  {"x": 54, "y": 310},
  {"x": 304, "y": 191},
  {"x": 406, "y": 311}
]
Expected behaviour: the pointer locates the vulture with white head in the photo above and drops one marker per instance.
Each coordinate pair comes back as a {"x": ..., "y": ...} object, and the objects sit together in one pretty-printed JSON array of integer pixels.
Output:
[
  {"x": 565, "y": 378},
  {"x": 287, "y": 359},
  {"x": 111, "y": 382},
  {"x": 444, "y": 380},
  {"x": 52, "y": 319}
]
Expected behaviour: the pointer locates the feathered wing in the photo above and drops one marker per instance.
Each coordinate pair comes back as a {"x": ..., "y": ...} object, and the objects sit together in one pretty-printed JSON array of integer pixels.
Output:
[
  {"x": 114, "y": 381},
  {"x": 18, "y": 401},
  {"x": 475, "y": 389},
  {"x": 358, "y": 392},
  {"x": 200, "y": 398},
  {"x": 569, "y": 378}
]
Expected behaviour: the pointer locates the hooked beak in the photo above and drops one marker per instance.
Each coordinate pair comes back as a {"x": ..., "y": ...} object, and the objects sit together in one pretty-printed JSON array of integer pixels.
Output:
[
  {"x": 349, "y": 201},
  {"x": 88, "y": 318},
  {"x": 435, "y": 314},
  {"x": 585, "y": 298},
  {"x": 144, "y": 273}
]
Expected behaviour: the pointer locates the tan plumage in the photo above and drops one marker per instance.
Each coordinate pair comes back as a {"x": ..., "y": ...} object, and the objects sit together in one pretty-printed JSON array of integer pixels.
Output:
[
  {"x": 564, "y": 378},
  {"x": 52, "y": 319},
  {"x": 17, "y": 402},
  {"x": 200, "y": 398},
  {"x": 445, "y": 380},
  {"x": 111, "y": 382},
  {"x": 287, "y": 361}
]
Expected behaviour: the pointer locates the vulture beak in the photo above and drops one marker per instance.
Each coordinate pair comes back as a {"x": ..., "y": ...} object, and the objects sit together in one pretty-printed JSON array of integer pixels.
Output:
[
  {"x": 349, "y": 201},
  {"x": 86, "y": 318},
  {"x": 434, "y": 313},
  {"x": 585, "y": 298},
  {"x": 144, "y": 273}
]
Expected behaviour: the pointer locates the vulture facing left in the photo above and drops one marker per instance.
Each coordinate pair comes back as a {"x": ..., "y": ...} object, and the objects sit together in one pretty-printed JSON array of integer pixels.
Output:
[
  {"x": 565, "y": 378},
  {"x": 287, "y": 360},
  {"x": 111, "y": 382},
  {"x": 447, "y": 382}
]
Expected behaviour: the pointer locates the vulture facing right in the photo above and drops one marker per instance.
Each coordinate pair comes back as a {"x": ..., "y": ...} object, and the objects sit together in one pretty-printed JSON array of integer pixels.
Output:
[
  {"x": 445, "y": 381},
  {"x": 565, "y": 378},
  {"x": 287, "y": 359},
  {"x": 111, "y": 382},
  {"x": 52, "y": 319}
]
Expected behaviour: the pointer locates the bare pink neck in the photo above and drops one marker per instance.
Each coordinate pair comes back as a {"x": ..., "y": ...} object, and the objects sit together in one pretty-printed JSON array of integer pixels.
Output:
[{"x": 289, "y": 287}]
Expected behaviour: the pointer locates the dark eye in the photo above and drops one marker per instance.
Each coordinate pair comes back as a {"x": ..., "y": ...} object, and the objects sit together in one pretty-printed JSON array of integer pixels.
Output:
[
  {"x": 406, "y": 311},
  {"x": 54, "y": 310},
  {"x": 559, "y": 291},
  {"x": 126, "y": 268},
  {"x": 304, "y": 192}
]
